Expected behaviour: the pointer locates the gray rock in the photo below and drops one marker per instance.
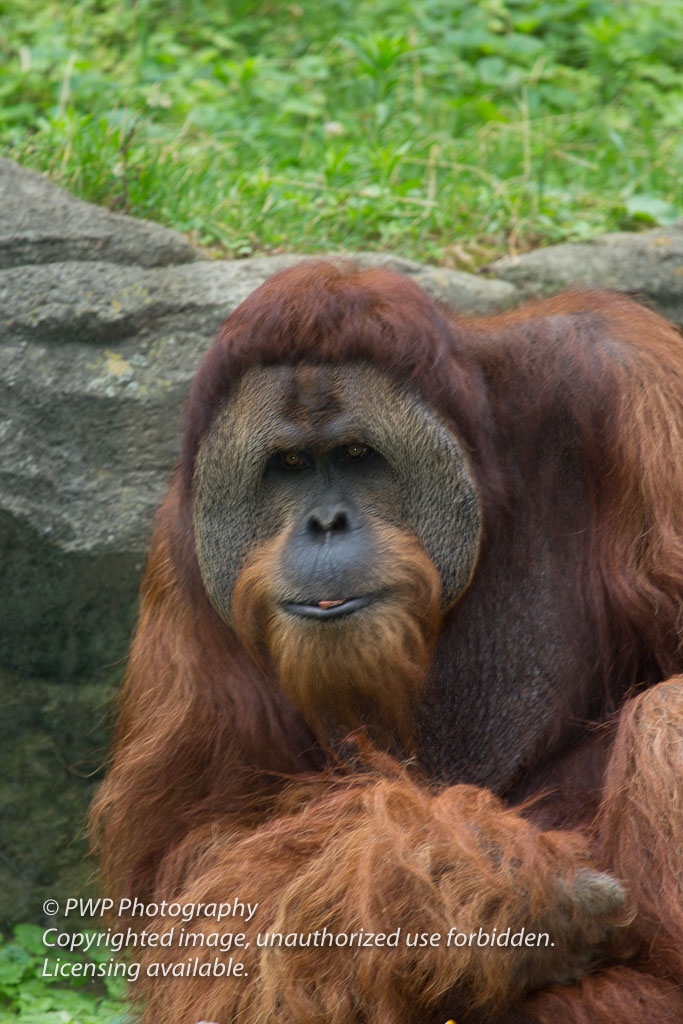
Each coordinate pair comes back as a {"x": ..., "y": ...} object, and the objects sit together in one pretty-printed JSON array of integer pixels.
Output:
[
  {"x": 96, "y": 363},
  {"x": 647, "y": 264},
  {"x": 54, "y": 740},
  {"x": 41, "y": 223}
]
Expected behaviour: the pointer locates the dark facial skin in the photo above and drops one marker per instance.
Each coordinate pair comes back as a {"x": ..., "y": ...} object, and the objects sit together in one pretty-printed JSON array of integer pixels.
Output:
[{"x": 330, "y": 547}]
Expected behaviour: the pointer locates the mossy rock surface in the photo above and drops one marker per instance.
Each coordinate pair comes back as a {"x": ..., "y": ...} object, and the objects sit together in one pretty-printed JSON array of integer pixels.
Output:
[{"x": 54, "y": 738}]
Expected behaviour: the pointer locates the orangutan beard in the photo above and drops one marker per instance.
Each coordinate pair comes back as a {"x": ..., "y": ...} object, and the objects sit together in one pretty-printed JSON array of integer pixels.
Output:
[{"x": 365, "y": 669}]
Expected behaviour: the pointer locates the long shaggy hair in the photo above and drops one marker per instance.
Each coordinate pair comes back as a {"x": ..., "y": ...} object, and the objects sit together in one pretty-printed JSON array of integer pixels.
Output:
[
  {"x": 225, "y": 779},
  {"x": 373, "y": 857},
  {"x": 374, "y": 682}
]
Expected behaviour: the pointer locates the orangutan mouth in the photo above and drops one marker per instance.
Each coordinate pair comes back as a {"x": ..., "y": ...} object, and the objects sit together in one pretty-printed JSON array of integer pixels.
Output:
[{"x": 328, "y": 609}]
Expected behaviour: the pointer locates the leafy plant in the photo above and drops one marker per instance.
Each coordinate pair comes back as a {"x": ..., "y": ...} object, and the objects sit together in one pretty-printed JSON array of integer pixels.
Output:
[
  {"x": 32, "y": 992},
  {"x": 436, "y": 128}
]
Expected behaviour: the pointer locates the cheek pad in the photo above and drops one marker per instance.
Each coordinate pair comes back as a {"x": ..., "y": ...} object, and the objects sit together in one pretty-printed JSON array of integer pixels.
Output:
[{"x": 233, "y": 513}]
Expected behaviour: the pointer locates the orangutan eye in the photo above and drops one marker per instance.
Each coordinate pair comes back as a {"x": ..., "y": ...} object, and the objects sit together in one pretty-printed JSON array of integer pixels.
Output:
[
  {"x": 355, "y": 451},
  {"x": 292, "y": 460}
]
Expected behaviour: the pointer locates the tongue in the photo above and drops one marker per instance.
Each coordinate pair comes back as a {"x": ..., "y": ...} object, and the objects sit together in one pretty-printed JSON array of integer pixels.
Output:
[{"x": 328, "y": 604}]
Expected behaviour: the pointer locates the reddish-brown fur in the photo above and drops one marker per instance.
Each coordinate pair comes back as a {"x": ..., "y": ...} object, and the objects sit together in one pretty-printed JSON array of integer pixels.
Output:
[
  {"x": 377, "y": 680},
  {"x": 218, "y": 787}
]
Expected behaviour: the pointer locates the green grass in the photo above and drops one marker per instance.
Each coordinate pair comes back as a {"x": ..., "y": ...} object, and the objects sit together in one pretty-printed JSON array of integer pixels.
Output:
[
  {"x": 29, "y": 994},
  {"x": 441, "y": 129}
]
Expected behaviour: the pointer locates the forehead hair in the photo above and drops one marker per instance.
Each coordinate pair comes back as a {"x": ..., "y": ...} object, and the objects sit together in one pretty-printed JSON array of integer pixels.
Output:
[{"x": 325, "y": 313}]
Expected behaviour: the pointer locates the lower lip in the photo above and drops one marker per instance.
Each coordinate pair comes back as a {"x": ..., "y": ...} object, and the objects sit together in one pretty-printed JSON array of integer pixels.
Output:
[{"x": 312, "y": 611}]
